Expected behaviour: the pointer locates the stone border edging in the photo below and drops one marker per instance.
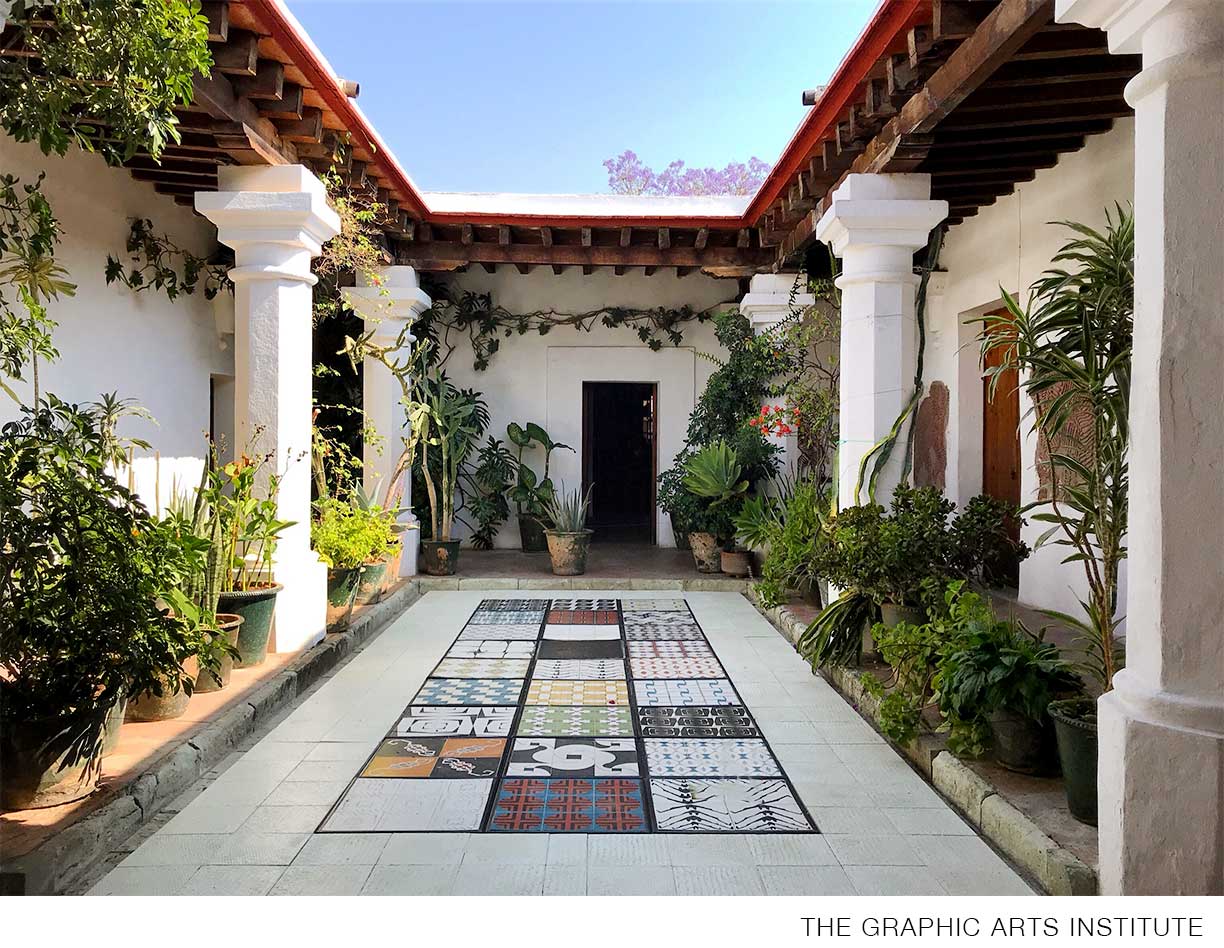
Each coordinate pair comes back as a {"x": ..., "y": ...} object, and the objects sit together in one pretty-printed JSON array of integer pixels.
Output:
[
  {"x": 1056, "y": 869},
  {"x": 62, "y": 858},
  {"x": 696, "y": 584}
]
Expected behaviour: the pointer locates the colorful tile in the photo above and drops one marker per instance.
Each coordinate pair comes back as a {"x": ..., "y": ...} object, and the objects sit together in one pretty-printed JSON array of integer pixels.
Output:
[
  {"x": 542, "y": 720},
  {"x": 519, "y": 631},
  {"x": 470, "y": 691},
  {"x": 601, "y": 693},
  {"x": 584, "y": 617},
  {"x": 486, "y": 668},
  {"x": 441, "y": 757},
  {"x": 581, "y": 633},
  {"x": 717, "y": 757},
  {"x": 715, "y": 721},
  {"x": 408, "y": 806},
  {"x": 491, "y": 648},
  {"x": 653, "y": 605},
  {"x": 573, "y": 757},
  {"x": 760, "y": 805},
  {"x": 580, "y": 649},
  {"x": 473, "y": 721},
  {"x": 684, "y": 692},
  {"x": 670, "y": 648},
  {"x": 579, "y": 668},
  {"x": 600, "y": 604},
  {"x": 676, "y": 668},
  {"x": 529, "y": 805}
]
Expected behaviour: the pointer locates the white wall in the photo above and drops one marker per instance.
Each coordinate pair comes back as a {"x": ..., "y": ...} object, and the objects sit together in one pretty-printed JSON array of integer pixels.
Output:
[
  {"x": 110, "y": 339},
  {"x": 538, "y": 378},
  {"x": 1009, "y": 244}
]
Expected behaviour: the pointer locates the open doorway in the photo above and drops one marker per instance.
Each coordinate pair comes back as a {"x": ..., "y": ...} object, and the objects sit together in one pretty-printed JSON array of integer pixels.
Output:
[
  {"x": 618, "y": 459},
  {"x": 1001, "y": 449}
]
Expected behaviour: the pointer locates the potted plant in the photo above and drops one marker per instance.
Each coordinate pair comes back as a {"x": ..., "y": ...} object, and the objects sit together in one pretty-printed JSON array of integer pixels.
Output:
[
  {"x": 1072, "y": 345},
  {"x": 569, "y": 540},
  {"x": 680, "y": 506},
  {"x": 347, "y": 536},
  {"x": 791, "y": 526},
  {"x": 84, "y": 569},
  {"x": 385, "y": 546},
  {"x": 532, "y": 494},
  {"x": 713, "y": 474},
  {"x": 449, "y": 430}
]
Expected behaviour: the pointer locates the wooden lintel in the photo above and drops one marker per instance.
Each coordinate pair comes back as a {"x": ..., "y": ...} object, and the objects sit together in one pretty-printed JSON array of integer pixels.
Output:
[
  {"x": 430, "y": 254},
  {"x": 237, "y": 121}
]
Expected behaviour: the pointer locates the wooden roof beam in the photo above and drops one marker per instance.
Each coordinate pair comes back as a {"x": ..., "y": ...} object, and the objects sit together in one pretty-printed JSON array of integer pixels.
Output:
[
  {"x": 626, "y": 236},
  {"x": 268, "y": 83},
  {"x": 238, "y": 55},
  {"x": 309, "y": 128},
  {"x": 439, "y": 254},
  {"x": 664, "y": 238},
  {"x": 217, "y": 15},
  {"x": 288, "y": 106}
]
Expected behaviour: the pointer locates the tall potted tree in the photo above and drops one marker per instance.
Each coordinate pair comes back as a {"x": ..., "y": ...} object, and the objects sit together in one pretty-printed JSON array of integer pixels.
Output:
[
  {"x": 449, "y": 431},
  {"x": 1072, "y": 344}
]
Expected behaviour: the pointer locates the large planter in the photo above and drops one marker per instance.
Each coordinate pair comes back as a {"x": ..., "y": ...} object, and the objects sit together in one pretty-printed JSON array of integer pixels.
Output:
[
  {"x": 1075, "y": 727},
  {"x": 736, "y": 563},
  {"x": 892, "y": 614},
  {"x": 51, "y": 761},
  {"x": 228, "y": 626},
  {"x": 114, "y": 721},
  {"x": 256, "y": 607},
  {"x": 1022, "y": 744},
  {"x": 568, "y": 551},
  {"x": 440, "y": 557},
  {"x": 169, "y": 704},
  {"x": 531, "y": 534},
  {"x": 707, "y": 552},
  {"x": 373, "y": 582},
  {"x": 680, "y": 532},
  {"x": 341, "y": 594}
]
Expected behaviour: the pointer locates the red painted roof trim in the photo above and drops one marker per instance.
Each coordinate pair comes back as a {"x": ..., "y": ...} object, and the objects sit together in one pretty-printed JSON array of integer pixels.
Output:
[{"x": 890, "y": 21}]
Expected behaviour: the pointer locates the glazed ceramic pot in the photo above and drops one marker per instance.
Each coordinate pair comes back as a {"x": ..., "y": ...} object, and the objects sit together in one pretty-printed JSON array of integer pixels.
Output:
[
  {"x": 256, "y": 607},
  {"x": 171, "y": 703},
  {"x": 341, "y": 594},
  {"x": 228, "y": 626},
  {"x": 373, "y": 582},
  {"x": 1075, "y": 727},
  {"x": 51, "y": 761},
  {"x": 440, "y": 557}
]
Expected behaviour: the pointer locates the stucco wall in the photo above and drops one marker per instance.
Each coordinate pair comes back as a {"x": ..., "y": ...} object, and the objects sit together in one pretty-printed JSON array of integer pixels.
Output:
[
  {"x": 537, "y": 378},
  {"x": 139, "y": 345},
  {"x": 1009, "y": 244}
]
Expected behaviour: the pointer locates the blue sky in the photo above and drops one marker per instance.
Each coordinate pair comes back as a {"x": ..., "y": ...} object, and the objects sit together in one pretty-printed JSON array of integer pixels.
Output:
[{"x": 505, "y": 96}]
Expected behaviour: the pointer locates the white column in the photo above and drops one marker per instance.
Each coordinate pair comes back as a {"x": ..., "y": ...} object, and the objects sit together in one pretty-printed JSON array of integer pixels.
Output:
[
  {"x": 388, "y": 302},
  {"x": 875, "y": 225},
  {"x": 277, "y": 219},
  {"x": 767, "y": 303},
  {"x": 1161, "y": 777}
]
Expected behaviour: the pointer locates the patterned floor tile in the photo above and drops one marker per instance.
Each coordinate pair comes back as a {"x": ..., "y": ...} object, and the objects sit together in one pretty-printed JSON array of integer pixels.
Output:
[
  {"x": 475, "y": 721},
  {"x": 582, "y": 649},
  {"x": 512, "y": 628},
  {"x": 544, "y": 721},
  {"x": 470, "y": 691},
  {"x": 610, "y": 805},
  {"x": 483, "y": 668},
  {"x": 564, "y": 693},
  {"x": 593, "y": 668},
  {"x": 671, "y": 649},
  {"x": 717, "y": 757},
  {"x": 584, "y": 616},
  {"x": 727, "y": 805},
  {"x": 443, "y": 757},
  {"x": 573, "y": 757},
  {"x": 491, "y": 648},
  {"x": 407, "y": 806},
  {"x": 653, "y": 605},
  {"x": 684, "y": 693},
  {"x": 675, "y": 668},
  {"x": 717, "y": 721},
  {"x": 670, "y": 632},
  {"x": 601, "y": 604},
  {"x": 513, "y": 605},
  {"x": 580, "y": 633}
]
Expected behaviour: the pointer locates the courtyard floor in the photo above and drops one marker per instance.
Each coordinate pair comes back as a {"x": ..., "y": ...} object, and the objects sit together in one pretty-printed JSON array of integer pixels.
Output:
[{"x": 501, "y": 743}]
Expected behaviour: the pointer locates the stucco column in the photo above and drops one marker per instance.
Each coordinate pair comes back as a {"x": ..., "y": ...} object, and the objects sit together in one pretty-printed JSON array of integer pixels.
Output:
[
  {"x": 875, "y": 224},
  {"x": 766, "y": 304},
  {"x": 388, "y": 302},
  {"x": 276, "y": 219},
  {"x": 1161, "y": 778}
]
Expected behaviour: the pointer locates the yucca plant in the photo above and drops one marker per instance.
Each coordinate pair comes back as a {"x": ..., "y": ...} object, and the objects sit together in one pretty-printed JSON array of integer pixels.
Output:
[
  {"x": 1072, "y": 344},
  {"x": 567, "y": 510}
]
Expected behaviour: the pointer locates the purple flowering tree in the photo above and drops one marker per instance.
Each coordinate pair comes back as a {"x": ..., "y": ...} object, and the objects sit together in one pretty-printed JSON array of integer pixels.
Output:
[{"x": 628, "y": 175}]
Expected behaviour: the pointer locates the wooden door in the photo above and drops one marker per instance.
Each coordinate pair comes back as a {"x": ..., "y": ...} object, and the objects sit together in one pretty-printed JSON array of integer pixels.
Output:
[{"x": 1001, "y": 437}]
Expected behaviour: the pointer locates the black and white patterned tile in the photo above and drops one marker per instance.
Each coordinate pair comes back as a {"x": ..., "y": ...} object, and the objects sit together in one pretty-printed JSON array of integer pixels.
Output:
[
  {"x": 710, "y": 757},
  {"x": 751, "y": 805},
  {"x": 681, "y": 692},
  {"x": 713, "y": 721},
  {"x": 483, "y": 668},
  {"x": 573, "y": 757},
  {"x": 491, "y": 648},
  {"x": 457, "y": 721},
  {"x": 593, "y": 668}
]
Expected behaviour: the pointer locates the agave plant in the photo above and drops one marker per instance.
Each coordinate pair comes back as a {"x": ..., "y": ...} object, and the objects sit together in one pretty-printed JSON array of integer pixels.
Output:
[
  {"x": 1072, "y": 344},
  {"x": 714, "y": 473},
  {"x": 567, "y": 510}
]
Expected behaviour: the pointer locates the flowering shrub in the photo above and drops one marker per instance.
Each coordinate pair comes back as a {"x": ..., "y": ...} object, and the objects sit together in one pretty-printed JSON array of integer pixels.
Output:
[{"x": 776, "y": 420}]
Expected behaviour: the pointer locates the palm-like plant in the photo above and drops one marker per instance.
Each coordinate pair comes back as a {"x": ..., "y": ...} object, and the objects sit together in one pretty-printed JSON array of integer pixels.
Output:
[
  {"x": 1073, "y": 344},
  {"x": 450, "y": 429},
  {"x": 714, "y": 473}
]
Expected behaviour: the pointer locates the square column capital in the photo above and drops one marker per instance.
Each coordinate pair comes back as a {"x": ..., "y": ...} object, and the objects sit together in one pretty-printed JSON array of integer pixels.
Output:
[
  {"x": 768, "y": 300},
  {"x": 275, "y": 218},
  {"x": 393, "y": 295}
]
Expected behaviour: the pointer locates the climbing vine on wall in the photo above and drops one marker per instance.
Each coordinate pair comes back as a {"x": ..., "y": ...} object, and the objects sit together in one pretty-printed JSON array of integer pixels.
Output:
[{"x": 456, "y": 316}]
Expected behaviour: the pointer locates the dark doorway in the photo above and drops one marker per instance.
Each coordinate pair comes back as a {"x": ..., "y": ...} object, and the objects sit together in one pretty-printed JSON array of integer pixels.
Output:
[
  {"x": 618, "y": 459},
  {"x": 1001, "y": 448}
]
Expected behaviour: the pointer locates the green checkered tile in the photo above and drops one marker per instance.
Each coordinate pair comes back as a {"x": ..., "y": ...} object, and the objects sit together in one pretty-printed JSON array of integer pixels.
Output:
[{"x": 544, "y": 721}]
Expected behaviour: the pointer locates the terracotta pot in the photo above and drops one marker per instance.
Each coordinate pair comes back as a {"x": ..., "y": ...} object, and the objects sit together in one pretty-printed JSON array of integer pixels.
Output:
[
  {"x": 257, "y": 607},
  {"x": 373, "y": 582},
  {"x": 531, "y": 536},
  {"x": 568, "y": 551},
  {"x": 706, "y": 552},
  {"x": 1076, "y": 729},
  {"x": 168, "y": 705},
  {"x": 341, "y": 594},
  {"x": 51, "y": 761},
  {"x": 228, "y": 626},
  {"x": 736, "y": 563},
  {"x": 440, "y": 557}
]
